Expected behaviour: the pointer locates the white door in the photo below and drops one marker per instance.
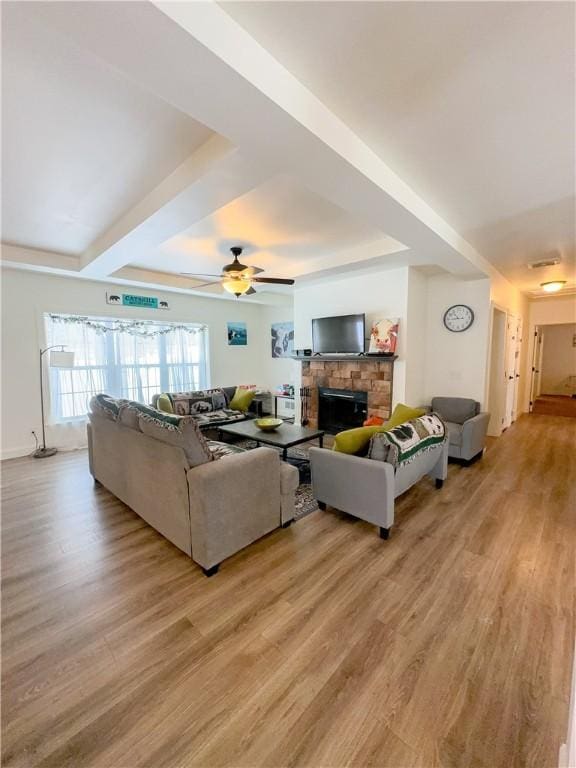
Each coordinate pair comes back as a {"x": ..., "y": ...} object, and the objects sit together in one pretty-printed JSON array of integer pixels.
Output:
[
  {"x": 517, "y": 368},
  {"x": 536, "y": 385},
  {"x": 510, "y": 369}
]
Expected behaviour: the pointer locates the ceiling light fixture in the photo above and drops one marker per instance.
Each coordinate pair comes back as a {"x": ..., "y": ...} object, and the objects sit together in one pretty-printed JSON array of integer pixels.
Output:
[
  {"x": 553, "y": 285},
  {"x": 236, "y": 285}
]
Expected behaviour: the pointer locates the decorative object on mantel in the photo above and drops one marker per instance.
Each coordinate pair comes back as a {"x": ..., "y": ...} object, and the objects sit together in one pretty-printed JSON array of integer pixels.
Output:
[
  {"x": 384, "y": 337},
  {"x": 131, "y": 300},
  {"x": 132, "y": 327},
  {"x": 61, "y": 359},
  {"x": 282, "y": 337},
  {"x": 237, "y": 334}
]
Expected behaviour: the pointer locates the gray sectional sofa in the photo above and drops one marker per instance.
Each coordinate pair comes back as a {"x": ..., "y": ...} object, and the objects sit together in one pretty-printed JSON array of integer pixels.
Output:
[
  {"x": 210, "y": 407},
  {"x": 206, "y": 498}
]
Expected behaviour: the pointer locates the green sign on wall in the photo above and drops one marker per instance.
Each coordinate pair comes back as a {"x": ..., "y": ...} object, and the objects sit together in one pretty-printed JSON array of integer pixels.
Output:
[{"x": 131, "y": 300}]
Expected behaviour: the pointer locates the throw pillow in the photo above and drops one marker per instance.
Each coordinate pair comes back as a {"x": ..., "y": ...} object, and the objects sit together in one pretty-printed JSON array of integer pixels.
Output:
[
  {"x": 165, "y": 403},
  {"x": 184, "y": 405},
  {"x": 242, "y": 399},
  {"x": 379, "y": 447},
  {"x": 373, "y": 421},
  {"x": 354, "y": 441},
  {"x": 180, "y": 431}
]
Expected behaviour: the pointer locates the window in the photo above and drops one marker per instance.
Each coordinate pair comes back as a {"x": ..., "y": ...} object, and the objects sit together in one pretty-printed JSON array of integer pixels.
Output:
[{"x": 130, "y": 359}]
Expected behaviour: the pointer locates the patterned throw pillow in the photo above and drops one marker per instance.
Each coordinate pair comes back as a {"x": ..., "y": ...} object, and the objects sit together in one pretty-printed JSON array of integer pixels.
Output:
[
  {"x": 180, "y": 431},
  {"x": 402, "y": 443},
  {"x": 184, "y": 405}
]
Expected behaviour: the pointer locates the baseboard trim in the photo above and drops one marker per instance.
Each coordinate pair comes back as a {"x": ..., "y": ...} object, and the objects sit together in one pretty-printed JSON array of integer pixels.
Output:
[{"x": 15, "y": 453}]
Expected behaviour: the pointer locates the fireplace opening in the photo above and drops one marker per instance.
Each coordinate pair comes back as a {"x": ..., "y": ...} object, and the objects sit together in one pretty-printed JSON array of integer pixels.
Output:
[{"x": 340, "y": 409}]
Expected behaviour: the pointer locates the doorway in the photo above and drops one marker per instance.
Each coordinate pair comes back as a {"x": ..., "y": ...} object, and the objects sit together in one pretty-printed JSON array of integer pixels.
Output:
[
  {"x": 497, "y": 389},
  {"x": 553, "y": 386}
]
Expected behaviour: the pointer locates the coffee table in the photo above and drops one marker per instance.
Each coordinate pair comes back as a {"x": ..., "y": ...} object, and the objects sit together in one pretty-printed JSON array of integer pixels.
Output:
[{"x": 286, "y": 436}]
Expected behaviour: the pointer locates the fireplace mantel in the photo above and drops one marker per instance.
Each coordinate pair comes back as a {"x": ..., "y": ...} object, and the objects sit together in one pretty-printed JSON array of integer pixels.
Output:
[
  {"x": 371, "y": 374},
  {"x": 346, "y": 358}
]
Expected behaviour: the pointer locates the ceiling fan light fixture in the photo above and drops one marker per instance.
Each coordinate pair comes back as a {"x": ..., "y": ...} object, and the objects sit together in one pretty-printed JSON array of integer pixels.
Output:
[
  {"x": 237, "y": 285},
  {"x": 553, "y": 285}
]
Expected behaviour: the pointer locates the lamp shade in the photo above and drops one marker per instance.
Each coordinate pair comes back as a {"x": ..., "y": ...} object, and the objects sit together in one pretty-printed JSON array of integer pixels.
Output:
[{"x": 61, "y": 359}]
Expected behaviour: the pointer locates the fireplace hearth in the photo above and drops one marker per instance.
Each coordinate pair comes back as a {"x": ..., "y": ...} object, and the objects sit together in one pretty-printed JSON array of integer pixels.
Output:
[{"x": 340, "y": 409}]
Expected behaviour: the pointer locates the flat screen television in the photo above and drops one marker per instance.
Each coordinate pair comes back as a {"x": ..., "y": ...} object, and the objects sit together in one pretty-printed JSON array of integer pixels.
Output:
[{"x": 338, "y": 335}]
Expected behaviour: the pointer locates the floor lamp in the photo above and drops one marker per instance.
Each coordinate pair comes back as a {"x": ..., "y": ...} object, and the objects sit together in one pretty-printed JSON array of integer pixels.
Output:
[{"x": 60, "y": 359}]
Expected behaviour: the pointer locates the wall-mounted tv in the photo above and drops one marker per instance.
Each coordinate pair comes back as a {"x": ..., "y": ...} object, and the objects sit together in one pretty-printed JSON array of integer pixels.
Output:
[{"x": 338, "y": 335}]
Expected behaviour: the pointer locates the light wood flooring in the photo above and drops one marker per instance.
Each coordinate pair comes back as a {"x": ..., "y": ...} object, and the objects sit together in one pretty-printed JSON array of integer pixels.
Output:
[
  {"x": 555, "y": 405},
  {"x": 321, "y": 645}
]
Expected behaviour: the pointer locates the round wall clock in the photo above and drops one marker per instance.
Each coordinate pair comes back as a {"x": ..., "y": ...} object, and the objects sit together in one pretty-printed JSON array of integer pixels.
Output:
[{"x": 458, "y": 318}]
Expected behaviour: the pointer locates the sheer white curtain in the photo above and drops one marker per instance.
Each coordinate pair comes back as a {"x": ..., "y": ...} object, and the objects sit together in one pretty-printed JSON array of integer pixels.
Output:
[{"x": 119, "y": 362}]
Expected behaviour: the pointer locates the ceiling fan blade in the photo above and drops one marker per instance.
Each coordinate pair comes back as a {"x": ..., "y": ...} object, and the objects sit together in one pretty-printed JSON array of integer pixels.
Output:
[
  {"x": 249, "y": 292},
  {"x": 273, "y": 280},
  {"x": 203, "y": 285},
  {"x": 199, "y": 274},
  {"x": 252, "y": 271}
]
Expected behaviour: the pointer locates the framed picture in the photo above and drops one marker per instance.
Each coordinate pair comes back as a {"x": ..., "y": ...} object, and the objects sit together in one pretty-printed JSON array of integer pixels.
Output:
[
  {"x": 384, "y": 337},
  {"x": 282, "y": 339},
  {"x": 237, "y": 334}
]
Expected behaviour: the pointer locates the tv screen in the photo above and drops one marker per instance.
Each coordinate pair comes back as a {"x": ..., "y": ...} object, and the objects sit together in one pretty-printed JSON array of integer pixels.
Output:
[{"x": 338, "y": 335}]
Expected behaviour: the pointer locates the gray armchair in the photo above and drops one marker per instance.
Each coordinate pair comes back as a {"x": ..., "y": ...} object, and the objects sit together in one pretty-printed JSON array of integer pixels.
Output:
[{"x": 466, "y": 426}]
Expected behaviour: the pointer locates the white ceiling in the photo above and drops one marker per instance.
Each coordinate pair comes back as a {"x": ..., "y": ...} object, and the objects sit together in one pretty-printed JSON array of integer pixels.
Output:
[
  {"x": 471, "y": 103},
  {"x": 284, "y": 228},
  {"x": 81, "y": 144}
]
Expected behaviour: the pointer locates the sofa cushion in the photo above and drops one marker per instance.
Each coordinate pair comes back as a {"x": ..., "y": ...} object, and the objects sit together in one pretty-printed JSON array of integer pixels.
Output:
[
  {"x": 180, "y": 431},
  {"x": 455, "y": 409},
  {"x": 355, "y": 441},
  {"x": 242, "y": 399},
  {"x": 454, "y": 433}
]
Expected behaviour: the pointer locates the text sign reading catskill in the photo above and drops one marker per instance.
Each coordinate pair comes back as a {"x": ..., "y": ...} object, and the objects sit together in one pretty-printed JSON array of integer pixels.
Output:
[{"x": 131, "y": 300}]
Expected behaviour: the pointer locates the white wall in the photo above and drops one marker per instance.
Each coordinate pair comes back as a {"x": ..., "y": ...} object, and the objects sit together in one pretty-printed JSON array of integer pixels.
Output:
[
  {"x": 558, "y": 359},
  {"x": 278, "y": 370},
  {"x": 28, "y": 295},
  {"x": 416, "y": 338},
  {"x": 379, "y": 295},
  {"x": 456, "y": 363}
]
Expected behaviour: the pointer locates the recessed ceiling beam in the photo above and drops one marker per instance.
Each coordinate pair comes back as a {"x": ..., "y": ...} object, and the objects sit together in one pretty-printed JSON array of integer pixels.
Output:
[
  {"x": 197, "y": 58},
  {"x": 213, "y": 176}
]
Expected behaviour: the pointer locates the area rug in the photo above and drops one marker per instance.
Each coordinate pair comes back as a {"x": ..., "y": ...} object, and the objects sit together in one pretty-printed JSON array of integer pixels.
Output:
[{"x": 305, "y": 503}]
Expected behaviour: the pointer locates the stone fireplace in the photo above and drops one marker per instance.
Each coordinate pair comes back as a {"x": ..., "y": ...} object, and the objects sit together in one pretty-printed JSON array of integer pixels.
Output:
[{"x": 361, "y": 374}]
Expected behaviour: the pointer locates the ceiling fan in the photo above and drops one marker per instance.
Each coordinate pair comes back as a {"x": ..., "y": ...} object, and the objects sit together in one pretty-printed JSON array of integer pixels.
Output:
[{"x": 237, "y": 278}]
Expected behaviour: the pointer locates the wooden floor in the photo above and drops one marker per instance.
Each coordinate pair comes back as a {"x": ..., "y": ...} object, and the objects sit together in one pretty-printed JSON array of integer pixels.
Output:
[
  {"x": 555, "y": 405},
  {"x": 321, "y": 645}
]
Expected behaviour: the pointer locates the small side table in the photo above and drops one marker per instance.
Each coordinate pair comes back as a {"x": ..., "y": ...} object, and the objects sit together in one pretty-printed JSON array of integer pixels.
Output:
[{"x": 281, "y": 397}]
